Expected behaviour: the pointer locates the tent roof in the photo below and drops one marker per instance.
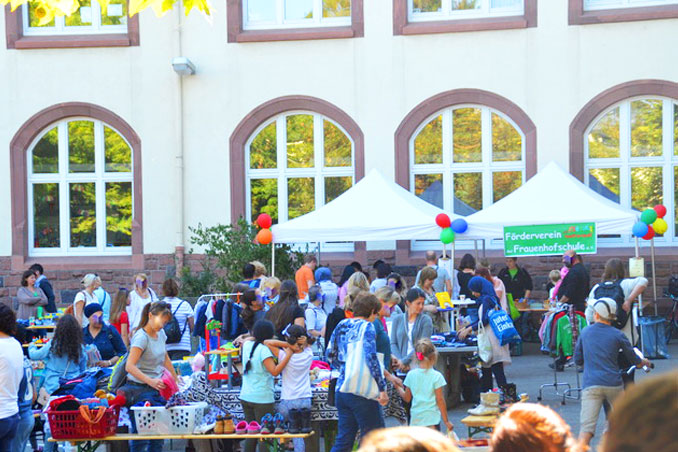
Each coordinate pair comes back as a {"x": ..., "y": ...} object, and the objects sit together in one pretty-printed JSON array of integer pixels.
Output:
[
  {"x": 373, "y": 209},
  {"x": 552, "y": 196}
]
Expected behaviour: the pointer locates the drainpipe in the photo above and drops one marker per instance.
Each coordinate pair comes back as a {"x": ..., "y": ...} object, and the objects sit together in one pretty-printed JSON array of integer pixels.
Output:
[{"x": 179, "y": 158}]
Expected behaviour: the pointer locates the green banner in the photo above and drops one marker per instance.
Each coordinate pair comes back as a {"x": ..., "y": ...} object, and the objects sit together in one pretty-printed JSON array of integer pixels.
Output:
[{"x": 549, "y": 239}]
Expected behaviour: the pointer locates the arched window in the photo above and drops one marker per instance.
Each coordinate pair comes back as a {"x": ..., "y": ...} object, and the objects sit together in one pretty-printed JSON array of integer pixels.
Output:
[
  {"x": 296, "y": 162},
  {"x": 466, "y": 157},
  {"x": 80, "y": 185},
  {"x": 631, "y": 157}
]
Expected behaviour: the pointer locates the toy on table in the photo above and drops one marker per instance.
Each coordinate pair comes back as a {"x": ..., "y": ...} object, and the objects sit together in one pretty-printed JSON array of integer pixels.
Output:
[{"x": 444, "y": 300}]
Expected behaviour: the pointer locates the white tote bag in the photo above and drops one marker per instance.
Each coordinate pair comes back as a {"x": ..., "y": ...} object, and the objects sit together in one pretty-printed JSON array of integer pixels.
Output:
[
  {"x": 484, "y": 344},
  {"x": 357, "y": 377}
]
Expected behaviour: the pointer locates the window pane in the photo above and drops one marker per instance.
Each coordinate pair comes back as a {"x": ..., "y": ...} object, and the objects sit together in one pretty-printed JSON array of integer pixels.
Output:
[
  {"x": 82, "y": 197},
  {"x": 675, "y": 129},
  {"x": 82, "y": 17},
  {"x": 46, "y": 153},
  {"x": 298, "y": 9},
  {"x": 426, "y": 6},
  {"x": 334, "y": 186},
  {"x": 429, "y": 187},
  {"x": 263, "y": 150},
  {"x": 604, "y": 136},
  {"x": 466, "y": 135},
  {"x": 119, "y": 214},
  {"x": 466, "y": 4},
  {"x": 118, "y": 153},
  {"x": 468, "y": 193},
  {"x": 300, "y": 141},
  {"x": 428, "y": 146},
  {"x": 505, "y": 3},
  {"x": 46, "y": 215},
  {"x": 261, "y": 10},
  {"x": 504, "y": 183},
  {"x": 646, "y": 187},
  {"x": 116, "y": 14},
  {"x": 81, "y": 146},
  {"x": 300, "y": 196},
  {"x": 646, "y": 128},
  {"x": 264, "y": 198},
  {"x": 336, "y": 8},
  {"x": 605, "y": 181},
  {"x": 337, "y": 146},
  {"x": 506, "y": 141},
  {"x": 35, "y": 13}
]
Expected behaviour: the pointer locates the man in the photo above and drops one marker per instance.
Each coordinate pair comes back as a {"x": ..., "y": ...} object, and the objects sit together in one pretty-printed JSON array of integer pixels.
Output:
[
  {"x": 304, "y": 276},
  {"x": 383, "y": 270},
  {"x": 597, "y": 350},
  {"x": 45, "y": 285},
  {"x": 575, "y": 286},
  {"x": 517, "y": 281},
  {"x": 443, "y": 282},
  {"x": 248, "y": 275}
]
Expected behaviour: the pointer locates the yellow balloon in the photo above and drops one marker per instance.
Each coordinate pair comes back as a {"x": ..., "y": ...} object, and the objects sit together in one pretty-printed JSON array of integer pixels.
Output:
[{"x": 660, "y": 226}]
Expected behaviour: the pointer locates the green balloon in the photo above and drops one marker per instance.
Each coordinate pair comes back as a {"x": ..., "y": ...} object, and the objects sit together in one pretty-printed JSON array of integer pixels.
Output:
[
  {"x": 447, "y": 236},
  {"x": 648, "y": 216}
]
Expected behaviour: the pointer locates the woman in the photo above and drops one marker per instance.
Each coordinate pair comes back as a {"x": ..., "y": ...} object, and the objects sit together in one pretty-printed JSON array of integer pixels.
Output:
[
  {"x": 259, "y": 272},
  {"x": 441, "y": 322},
  {"x": 348, "y": 271},
  {"x": 356, "y": 283},
  {"x": 183, "y": 312},
  {"x": 467, "y": 269},
  {"x": 356, "y": 391},
  {"x": 397, "y": 282},
  {"x": 486, "y": 300},
  {"x": 106, "y": 338},
  {"x": 138, "y": 298},
  {"x": 408, "y": 328},
  {"x": 253, "y": 309},
  {"x": 330, "y": 291},
  {"x": 271, "y": 288},
  {"x": 11, "y": 373},
  {"x": 119, "y": 318},
  {"x": 287, "y": 310},
  {"x": 29, "y": 296},
  {"x": 316, "y": 318},
  {"x": 499, "y": 288},
  {"x": 90, "y": 282},
  {"x": 147, "y": 362}
]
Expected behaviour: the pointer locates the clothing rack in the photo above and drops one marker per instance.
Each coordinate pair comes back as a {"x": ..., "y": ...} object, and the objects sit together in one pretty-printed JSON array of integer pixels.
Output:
[
  {"x": 567, "y": 394},
  {"x": 217, "y": 295}
]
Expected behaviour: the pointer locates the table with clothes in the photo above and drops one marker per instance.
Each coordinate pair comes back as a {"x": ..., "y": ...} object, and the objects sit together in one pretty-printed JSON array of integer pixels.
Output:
[{"x": 450, "y": 351}]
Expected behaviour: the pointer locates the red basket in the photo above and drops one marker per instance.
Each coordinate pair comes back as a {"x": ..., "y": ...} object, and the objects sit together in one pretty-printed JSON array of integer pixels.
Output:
[{"x": 71, "y": 424}]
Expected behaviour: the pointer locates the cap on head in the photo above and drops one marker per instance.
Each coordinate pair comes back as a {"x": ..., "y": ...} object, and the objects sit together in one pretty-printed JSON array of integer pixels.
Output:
[
  {"x": 91, "y": 309},
  {"x": 606, "y": 308}
]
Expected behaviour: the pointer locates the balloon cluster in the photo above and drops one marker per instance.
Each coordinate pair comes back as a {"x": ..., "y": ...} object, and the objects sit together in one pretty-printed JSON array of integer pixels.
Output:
[
  {"x": 651, "y": 222},
  {"x": 264, "y": 236},
  {"x": 458, "y": 226}
]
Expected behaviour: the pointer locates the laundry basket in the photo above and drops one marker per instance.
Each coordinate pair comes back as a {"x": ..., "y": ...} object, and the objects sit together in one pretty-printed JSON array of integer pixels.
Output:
[
  {"x": 175, "y": 420},
  {"x": 71, "y": 424},
  {"x": 184, "y": 419}
]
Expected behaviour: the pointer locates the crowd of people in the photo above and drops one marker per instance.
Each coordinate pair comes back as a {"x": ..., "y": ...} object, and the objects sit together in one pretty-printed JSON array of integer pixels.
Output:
[{"x": 375, "y": 333}]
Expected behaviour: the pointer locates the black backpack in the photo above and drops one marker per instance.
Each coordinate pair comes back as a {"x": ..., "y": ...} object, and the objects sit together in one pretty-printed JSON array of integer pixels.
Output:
[
  {"x": 172, "y": 330},
  {"x": 612, "y": 289}
]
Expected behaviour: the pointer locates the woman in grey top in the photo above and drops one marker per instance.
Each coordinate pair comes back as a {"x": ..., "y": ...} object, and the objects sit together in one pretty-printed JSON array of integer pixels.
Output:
[
  {"x": 29, "y": 296},
  {"x": 408, "y": 328}
]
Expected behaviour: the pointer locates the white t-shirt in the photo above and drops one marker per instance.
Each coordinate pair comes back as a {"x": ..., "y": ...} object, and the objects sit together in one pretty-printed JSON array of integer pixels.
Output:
[
  {"x": 627, "y": 285},
  {"x": 11, "y": 373},
  {"x": 296, "y": 381},
  {"x": 410, "y": 346},
  {"x": 377, "y": 284},
  {"x": 330, "y": 293},
  {"x": 89, "y": 299},
  {"x": 136, "y": 305},
  {"x": 316, "y": 318},
  {"x": 182, "y": 310}
]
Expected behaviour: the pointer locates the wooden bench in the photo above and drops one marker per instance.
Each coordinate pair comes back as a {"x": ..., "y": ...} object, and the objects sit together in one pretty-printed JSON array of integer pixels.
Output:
[{"x": 480, "y": 424}]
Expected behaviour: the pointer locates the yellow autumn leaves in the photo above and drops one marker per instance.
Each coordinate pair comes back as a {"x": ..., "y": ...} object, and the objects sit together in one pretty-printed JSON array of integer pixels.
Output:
[{"x": 46, "y": 10}]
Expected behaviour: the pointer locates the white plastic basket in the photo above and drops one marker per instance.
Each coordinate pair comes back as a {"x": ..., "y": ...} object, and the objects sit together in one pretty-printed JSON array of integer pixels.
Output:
[{"x": 163, "y": 421}]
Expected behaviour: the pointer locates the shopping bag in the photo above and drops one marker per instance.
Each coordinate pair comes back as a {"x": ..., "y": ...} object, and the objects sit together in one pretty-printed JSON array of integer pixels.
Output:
[
  {"x": 484, "y": 344},
  {"x": 357, "y": 377},
  {"x": 503, "y": 328},
  {"x": 653, "y": 337}
]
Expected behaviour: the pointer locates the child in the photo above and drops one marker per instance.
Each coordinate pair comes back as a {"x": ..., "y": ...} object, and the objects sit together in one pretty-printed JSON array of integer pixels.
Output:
[
  {"x": 598, "y": 350},
  {"x": 554, "y": 278},
  {"x": 423, "y": 386}
]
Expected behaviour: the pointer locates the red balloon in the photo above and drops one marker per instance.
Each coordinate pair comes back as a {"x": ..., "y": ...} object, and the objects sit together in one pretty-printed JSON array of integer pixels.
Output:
[
  {"x": 650, "y": 233},
  {"x": 661, "y": 210},
  {"x": 264, "y": 236},
  {"x": 443, "y": 220},
  {"x": 264, "y": 221}
]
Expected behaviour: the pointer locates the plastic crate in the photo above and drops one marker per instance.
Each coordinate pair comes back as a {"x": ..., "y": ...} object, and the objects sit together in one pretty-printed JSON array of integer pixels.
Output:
[
  {"x": 71, "y": 424},
  {"x": 159, "y": 420}
]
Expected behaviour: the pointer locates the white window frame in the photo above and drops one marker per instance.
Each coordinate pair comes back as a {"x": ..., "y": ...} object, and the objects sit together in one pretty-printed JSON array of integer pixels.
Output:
[
  {"x": 63, "y": 178},
  {"x": 447, "y": 13},
  {"x": 596, "y": 5},
  {"x": 667, "y": 161},
  {"x": 448, "y": 167},
  {"x": 319, "y": 171},
  {"x": 60, "y": 27},
  {"x": 318, "y": 21}
]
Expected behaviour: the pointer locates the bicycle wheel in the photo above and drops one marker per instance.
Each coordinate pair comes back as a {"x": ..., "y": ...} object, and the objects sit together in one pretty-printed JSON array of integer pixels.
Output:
[{"x": 670, "y": 327}]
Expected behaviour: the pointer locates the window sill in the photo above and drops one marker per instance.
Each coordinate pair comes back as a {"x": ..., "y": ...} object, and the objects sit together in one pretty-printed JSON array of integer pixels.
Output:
[
  {"x": 134, "y": 261},
  {"x": 464, "y": 25},
  {"x": 73, "y": 41},
  {"x": 577, "y": 15},
  {"x": 293, "y": 34}
]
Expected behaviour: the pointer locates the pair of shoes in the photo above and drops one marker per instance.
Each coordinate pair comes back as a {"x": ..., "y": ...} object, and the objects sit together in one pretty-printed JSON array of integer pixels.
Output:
[
  {"x": 300, "y": 421},
  {"x": 243, "y": 427},
  {"x": 224, "y": 425},
  {"x": 509, "y": 393},
  {"x": 280, "y": 426},
  {"x": 489, "y": 404},
  {"x": 557, "y": 367},
  {"x": 267, "y": 425}
]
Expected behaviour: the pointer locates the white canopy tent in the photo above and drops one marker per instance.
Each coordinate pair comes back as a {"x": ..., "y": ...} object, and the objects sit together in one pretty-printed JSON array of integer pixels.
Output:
[
  {"x": 552, "y": 196},
  {"x": 363, "y": 213}
]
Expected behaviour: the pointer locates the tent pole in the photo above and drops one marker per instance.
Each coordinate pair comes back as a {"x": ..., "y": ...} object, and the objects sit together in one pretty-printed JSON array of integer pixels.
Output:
[
  {"x": 637, "y": 254},
  {"x": 272, "y": 258},
  {"x": 654, "y": 276},
  {"x": 444, "y": 251},
  {"x": 475, "y": 247}
]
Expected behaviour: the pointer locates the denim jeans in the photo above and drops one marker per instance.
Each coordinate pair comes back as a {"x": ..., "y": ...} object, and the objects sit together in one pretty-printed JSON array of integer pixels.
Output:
[
  {"x": 135, "y": 392},
  {"x": 284, "y": 408},
  {"x": 355, "y": 413},
  {"x": 23, "y": 430},
  {"x": 8, "y": 427}
]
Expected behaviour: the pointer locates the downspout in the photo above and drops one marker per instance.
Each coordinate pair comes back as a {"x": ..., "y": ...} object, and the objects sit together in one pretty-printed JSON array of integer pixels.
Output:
[{"x": 179, "y": 158}]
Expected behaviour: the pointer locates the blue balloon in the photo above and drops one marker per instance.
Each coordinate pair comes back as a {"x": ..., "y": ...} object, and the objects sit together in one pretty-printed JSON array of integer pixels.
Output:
[
  {"x": 459, "y": 225},
  {"x": 640, "y": 229}
]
